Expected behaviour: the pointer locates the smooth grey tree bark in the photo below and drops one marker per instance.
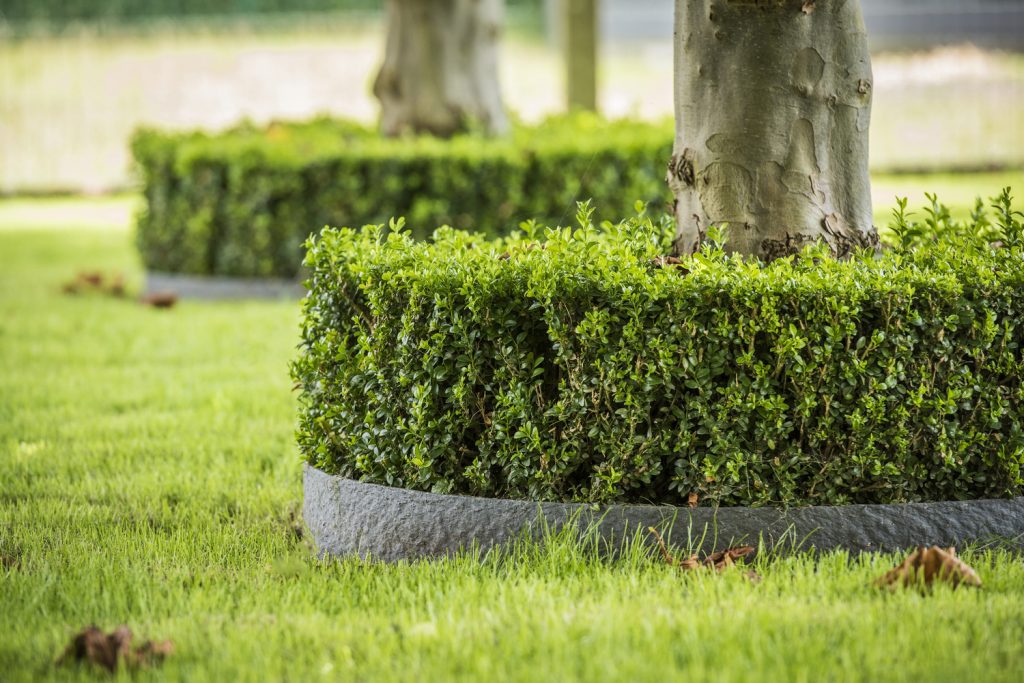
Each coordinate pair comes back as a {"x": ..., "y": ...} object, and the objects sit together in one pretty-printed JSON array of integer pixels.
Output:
[
  {"x": 580, "y": 17},
  {"x": 440, "y": 71},
  {"x": 773, "y": 104}
]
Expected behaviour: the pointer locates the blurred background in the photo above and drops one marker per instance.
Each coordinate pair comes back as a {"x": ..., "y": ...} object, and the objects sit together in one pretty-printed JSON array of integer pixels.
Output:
[{"x": 78, "y": 76}]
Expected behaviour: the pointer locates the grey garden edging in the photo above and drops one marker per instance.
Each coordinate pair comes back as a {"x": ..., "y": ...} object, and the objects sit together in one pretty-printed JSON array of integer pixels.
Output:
[
  {"x": 215, "y": 287},
  {"x": 348, "y": 518}
]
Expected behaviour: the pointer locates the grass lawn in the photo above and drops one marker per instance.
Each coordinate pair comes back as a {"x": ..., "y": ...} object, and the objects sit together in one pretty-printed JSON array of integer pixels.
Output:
[{"x": 148, "y": 477}]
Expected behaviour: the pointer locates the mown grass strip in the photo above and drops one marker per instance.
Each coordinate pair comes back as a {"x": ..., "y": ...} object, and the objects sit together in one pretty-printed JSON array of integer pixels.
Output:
[{"x": 148, "y": 477}]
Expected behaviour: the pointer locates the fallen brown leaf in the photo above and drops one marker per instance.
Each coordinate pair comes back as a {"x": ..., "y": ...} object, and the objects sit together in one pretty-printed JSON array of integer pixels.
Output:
[
  {"x": 93, "y": 278},
  {"x": 727, "y": 558},
  {"x": 108, "y": 650},
  {"x": 665, "y": 261},
  {"x": 160, "y": 299},
  {"x": 924, "y": 566},
  {"x": 719, "y": 561},
  {"x": 94, "y": 646}
]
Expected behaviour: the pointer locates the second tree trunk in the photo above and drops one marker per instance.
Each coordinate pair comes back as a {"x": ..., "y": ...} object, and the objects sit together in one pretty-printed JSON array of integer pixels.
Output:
[{"x": 440, "y": 71}]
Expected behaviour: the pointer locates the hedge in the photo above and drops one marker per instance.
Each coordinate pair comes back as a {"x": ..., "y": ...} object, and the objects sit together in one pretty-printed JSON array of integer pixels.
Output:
[
  {"x": 64, "y": 11},
  {"x": 243, "y": 202},
  {"x": 577, "y": 365}
]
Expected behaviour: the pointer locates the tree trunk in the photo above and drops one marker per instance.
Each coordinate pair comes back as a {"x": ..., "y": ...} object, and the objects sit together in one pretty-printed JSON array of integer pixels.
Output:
[
  {"x": 580, "y": 20},
  {"x": 440, "y": 71},
  {"x": 773, "y": 103}
]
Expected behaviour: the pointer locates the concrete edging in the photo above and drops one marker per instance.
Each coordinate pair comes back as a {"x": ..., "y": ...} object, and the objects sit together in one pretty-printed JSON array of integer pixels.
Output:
[
  {"x": 215, "y": 287},
  {"x": 349, "y": 518}
]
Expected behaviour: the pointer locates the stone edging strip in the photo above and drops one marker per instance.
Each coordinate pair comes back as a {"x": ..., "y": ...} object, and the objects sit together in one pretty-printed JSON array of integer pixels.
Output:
[
  {"x": 348, "y": 518},
  {"x": 214, "y": 288}
]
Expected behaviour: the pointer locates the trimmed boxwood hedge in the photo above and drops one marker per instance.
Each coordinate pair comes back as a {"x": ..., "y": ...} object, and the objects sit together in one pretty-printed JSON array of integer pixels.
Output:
[
  {"x": 243, "y": 202},
  {"x": 576, "y": 365}
]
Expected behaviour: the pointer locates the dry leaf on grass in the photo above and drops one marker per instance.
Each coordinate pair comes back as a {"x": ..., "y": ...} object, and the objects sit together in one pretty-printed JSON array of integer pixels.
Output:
[
  {"x": 91, "y": 278},
  {"x": 160, "y": 299},
  {"x": 93, "y": 645},
  {"x": 719, "y": 561},
  {"x": 84, "y": 280},
  {"x": 96, "y": 281},
  {"x": 727, "y": 558},
  {"x": 108, "y": 650},
  {"x": 924, "y": 566}
]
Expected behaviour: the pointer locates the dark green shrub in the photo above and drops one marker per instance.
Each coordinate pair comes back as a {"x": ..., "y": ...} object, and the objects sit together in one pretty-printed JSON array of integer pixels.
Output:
[
  {"x": 243, "y": 202},
  {"x": 65, "y": 11},
  {"x": 573, "y": 365}
]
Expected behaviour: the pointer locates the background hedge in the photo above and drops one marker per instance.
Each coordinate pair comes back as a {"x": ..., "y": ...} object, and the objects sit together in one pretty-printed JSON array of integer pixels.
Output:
[
  {"x": 573, "y": 365},
  {"x": 243, "y": 202},
  {"x": 63, "y": 11}
]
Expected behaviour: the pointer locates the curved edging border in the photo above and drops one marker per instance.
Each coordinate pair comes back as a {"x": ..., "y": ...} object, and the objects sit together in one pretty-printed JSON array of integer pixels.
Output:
[
  {"x": 216, "y": 287},
  {"x": 348, "y": 518}
]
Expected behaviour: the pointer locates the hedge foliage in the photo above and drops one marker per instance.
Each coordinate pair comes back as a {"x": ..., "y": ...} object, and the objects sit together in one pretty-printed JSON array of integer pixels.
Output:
[
  {"x": 63, "y": 11},
  {"x": 562, "y": 364},
  {"x": 242, "y": 203}
]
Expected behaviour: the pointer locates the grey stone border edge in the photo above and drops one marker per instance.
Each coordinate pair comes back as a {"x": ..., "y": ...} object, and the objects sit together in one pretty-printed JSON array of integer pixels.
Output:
[
  {"x": 348, "y": 518},
  {"x": 213, "y": 288}
]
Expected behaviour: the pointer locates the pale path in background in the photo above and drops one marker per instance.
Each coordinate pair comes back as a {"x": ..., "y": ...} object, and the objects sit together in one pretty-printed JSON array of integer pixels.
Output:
[{"x": 68, "y": 106}]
